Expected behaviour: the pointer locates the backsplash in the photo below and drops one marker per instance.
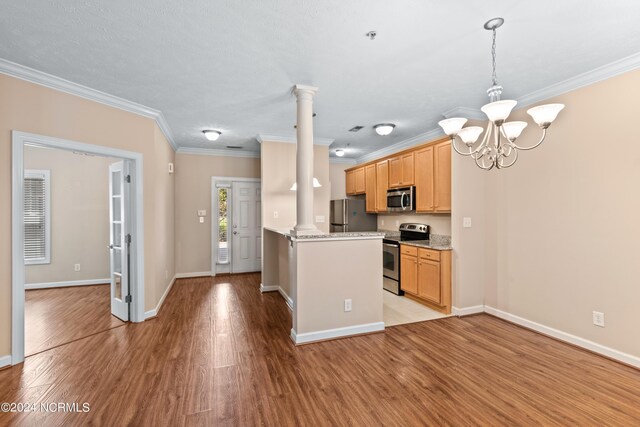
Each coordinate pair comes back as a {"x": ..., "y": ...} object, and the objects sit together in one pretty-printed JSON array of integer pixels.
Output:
[{"x": 439, "y": 224}]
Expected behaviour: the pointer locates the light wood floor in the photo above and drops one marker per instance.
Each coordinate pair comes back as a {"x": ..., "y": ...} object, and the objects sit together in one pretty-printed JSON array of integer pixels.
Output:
[
  {"x": 60, "y": 315},
  {"x": 219, "y": 354}
]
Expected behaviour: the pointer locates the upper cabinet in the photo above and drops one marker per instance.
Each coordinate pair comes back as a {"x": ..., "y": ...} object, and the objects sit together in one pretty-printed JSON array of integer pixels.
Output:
[
  {"x": 425, "y": 178},
  {"x": 382, "y": 185},
  {"x": 401, "y": 170},
  {"x": 442, "y": 165},
  {"x": 355, "y": 181},
  {"x": 371, "y": 182}
]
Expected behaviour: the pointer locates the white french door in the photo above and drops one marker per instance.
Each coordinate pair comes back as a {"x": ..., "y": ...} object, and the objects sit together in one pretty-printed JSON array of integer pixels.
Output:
[
  {"x": 119, "y": 239},
  {"x": 246, "y": 237}
]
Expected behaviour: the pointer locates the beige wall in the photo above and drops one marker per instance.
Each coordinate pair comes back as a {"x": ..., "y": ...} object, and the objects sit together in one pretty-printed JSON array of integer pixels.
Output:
[
  {"x": 79, "y": 215},
  {"x": 279, "y": 173},
  {"x": 36, "y": 109},
  {"x": 566, "y": 227},
  {"x": 338, "y": 181},
  {"x": 440, "y": 223},
  {"x": 193, "y": 192}
]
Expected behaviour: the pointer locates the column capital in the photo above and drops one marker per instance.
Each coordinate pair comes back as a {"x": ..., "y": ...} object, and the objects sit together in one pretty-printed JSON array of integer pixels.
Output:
[{"x": 298, "y": 89}]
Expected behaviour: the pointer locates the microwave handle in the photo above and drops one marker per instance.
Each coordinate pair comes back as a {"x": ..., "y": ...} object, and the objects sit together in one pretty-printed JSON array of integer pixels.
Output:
[{"x": 402, "y": 200}]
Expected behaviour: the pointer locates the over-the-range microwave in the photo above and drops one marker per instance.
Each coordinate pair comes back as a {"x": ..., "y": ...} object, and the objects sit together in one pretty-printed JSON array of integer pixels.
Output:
[{"x": 401, "y": 199}]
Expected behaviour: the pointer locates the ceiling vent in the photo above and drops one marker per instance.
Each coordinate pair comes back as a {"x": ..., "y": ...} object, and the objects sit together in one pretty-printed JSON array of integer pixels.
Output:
[
  {"x": 234, "y": 147},
  {"x": 355, "y": 128}
]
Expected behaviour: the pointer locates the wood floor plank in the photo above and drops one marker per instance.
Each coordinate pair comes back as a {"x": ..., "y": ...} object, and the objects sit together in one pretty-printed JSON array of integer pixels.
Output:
[{"x": 219, "y": 354}]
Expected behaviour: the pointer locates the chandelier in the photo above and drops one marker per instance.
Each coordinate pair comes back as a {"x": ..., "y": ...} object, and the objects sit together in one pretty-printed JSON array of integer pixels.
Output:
[{"x": 498, "y": 146}]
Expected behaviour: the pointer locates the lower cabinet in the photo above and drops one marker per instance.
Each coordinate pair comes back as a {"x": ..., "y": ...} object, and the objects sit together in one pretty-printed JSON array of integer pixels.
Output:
[{"x": 426, "y": 275}]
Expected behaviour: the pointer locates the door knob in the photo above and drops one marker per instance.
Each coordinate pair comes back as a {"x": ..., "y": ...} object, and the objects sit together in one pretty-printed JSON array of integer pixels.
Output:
[
  {"x": 110, "y": 246},
  {"x": 235, "y": 232}
]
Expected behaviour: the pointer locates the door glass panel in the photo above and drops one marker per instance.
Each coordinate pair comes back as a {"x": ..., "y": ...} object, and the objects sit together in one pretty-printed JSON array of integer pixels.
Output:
[
  {"x": 115, "y": 179},
  {"x": 117, "y": 260},
  {"x": 117, "y": 290},
  {"x": 117, "y": 203},
  {"x": 223, "y": 234},
  {"x": 117, "y": 234},
  {"x": 388, "y": 261}
]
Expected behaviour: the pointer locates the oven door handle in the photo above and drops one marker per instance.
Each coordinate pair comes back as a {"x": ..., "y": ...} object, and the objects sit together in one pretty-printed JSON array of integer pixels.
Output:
[{"x": 390, "y": 245}]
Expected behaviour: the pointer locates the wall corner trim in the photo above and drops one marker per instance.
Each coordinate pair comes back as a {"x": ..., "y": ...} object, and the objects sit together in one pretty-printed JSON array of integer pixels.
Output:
[
  {"x": 57, "y": 83},
  {"x": 67, "y": 284},
  {"x": 292, "y": 139},
  {"x": 5, "y": 361},
  {"x": 274, "y": 288},
  {"x": 328, "y": 334},
  {"x": 467, "y": 311},
  {"x": 566, "y": 337},
  {"x": 342, "y": 161},
  {"x": 153, "y": 313},
  {"x": 218, "y": 152}
]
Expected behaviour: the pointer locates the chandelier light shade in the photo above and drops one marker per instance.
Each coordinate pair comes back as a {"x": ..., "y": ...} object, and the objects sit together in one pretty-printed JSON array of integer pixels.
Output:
[
  {"x": 497, "y": 148},
  {"x": 384, "y": 129},
  {"x": 212, "y": 135},
  {"x": 339, "y": 152},
  {"x": 316, "y": 184}
]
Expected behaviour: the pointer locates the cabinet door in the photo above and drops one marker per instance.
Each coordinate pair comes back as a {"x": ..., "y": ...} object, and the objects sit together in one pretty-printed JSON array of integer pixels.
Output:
[
  {"x": 395, "y": 172},
  {"x": 429, "y": 280},
  {"x": 351, "y": 183},
  {"x": 360, "y": 186},
  {"x": 370, "y": 184},
  {"x": 407, "y": 169},
  {"x": 382, "y": 179},
  {"x": 442, "y": 160},
  {"x": 424, "y": 179},
  {"x": 409, "y": 274}
]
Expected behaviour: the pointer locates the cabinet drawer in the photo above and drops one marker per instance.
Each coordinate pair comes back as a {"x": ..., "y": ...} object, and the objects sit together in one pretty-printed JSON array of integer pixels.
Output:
[
  {"x": 408, "y": 250},
  {"x": 430, "y": 254}
]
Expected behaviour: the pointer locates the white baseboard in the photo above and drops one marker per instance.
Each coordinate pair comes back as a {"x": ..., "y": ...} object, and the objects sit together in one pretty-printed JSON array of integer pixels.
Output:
[
  {"x": 66, "y": 284},
  {"x": 194, "y": 274},
  {"x": 466, "y": 311},
  {"x": 564, "y": 336},
  {"x": 5, "y": 361},
  {"x": 273, "y": 288},
  {"x": 309, "y": 337},
  {"x": 153, "y": 313}
]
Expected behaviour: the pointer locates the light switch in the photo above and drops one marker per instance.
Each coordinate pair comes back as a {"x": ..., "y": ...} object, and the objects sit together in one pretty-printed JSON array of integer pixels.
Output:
[
  {"x": 170, "y": 167},
  {"x": 275, "y": 214},
  {"x": 201, "y": 220},
  {"x": 319, "y": 218},
  {"x": 466, "y": 222},
  {"x": 202, "y": 212}
]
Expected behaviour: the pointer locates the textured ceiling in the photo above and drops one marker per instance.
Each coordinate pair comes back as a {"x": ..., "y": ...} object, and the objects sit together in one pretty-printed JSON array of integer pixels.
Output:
[{"x": 230, "y": 65}]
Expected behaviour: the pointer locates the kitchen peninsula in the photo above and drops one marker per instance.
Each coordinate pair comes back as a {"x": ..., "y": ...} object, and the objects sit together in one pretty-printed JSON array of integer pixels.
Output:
[{"x": 331, "y": 281}]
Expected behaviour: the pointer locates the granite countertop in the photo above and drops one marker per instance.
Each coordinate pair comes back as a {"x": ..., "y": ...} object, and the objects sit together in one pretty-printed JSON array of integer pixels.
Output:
[
  {"x": 331, "y": 236},
  {"x": 428, "y": 244}
]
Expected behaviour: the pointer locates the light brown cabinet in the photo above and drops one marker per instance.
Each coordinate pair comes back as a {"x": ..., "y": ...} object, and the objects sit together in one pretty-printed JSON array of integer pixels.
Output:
[
  {"x": 425, "y": 177},
  {"x": 442, "y": 167},
  {"x": 382, "y": 185},
  {"x": 426, "y": 275},
  {"x": 401, "y": 170},
  {"x": 355, "y": 182},
  {"x": 371, "y": 183}
]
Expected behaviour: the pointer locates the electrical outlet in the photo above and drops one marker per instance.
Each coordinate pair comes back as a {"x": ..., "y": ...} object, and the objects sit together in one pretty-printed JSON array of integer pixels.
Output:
[
  {"x": 466, "y": 222},
  {"x": 166, "y": 274},
  {"x": 347, "y": 304},
  {"x": 598, "y": 319},
  {"x": 397, "y": 223},
  {"x": 76, "y": 267},
  {"x": 382, "y": 223},
  {"x": 319, "y": 218},
  {"x": 275, "y": 214},
  {"x": 202, "y": 212},
  {"x": 201, "y": 220}
]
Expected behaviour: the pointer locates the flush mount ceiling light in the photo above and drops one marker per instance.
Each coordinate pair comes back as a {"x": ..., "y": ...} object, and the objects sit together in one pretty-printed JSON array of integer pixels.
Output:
[
  {"x": 384, "y": 129},
  {"x": 316, "y": 184},
  {"x": 212, "y": 135},
  {"x": 497, "y": 148},
  {"x": 339, "y": 152}
]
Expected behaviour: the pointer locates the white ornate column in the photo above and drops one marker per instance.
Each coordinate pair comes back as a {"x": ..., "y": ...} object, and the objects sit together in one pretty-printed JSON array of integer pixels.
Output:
[{"x": 304, "y": 161}]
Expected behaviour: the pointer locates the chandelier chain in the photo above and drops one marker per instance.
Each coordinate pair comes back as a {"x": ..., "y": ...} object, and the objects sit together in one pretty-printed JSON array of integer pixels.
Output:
[{"x": 493, "y": 55}]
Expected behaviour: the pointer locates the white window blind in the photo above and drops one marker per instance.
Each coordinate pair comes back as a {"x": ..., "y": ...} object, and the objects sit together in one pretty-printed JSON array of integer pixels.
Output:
[{"x": 37, "y": 217}]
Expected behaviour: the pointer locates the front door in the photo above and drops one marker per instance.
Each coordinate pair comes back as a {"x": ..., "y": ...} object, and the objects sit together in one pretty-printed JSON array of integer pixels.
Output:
[
  {"x": 246, "y": 228},
  {"x": 118, "y": 240}
]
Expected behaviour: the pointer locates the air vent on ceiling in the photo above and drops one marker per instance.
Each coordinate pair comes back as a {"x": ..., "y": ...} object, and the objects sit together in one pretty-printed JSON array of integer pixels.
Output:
[
  {"x": 355, "y": 128},
  {"x": 234, "y": 147}
]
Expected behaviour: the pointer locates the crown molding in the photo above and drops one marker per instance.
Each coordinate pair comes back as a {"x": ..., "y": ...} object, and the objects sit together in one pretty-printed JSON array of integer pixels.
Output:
[
  {"x": 57, "y": 83},
  {"x": 292, "y": 139},
  {"x": 605, "y": 72},
  {"x": 468, "y": 113},
  {"x": 402, "y": 145},
  {"x": 218, "y": 152},
  {"x": 342, "y": 161}
]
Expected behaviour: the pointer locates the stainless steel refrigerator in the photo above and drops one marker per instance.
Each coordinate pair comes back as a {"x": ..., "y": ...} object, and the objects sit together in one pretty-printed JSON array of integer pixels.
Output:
[{"x": 350, "y": 215}]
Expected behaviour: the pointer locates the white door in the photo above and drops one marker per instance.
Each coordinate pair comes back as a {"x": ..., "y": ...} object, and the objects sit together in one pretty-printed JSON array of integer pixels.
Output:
[
  {"x": 118, "y": 240},
  {"x": 247, "y": 227}
]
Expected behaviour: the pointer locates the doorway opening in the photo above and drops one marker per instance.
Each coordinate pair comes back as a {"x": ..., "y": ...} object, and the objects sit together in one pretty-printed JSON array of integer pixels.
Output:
[
  {"x": 76, "y": 241},
  {"x": 236, "y": 225}
]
